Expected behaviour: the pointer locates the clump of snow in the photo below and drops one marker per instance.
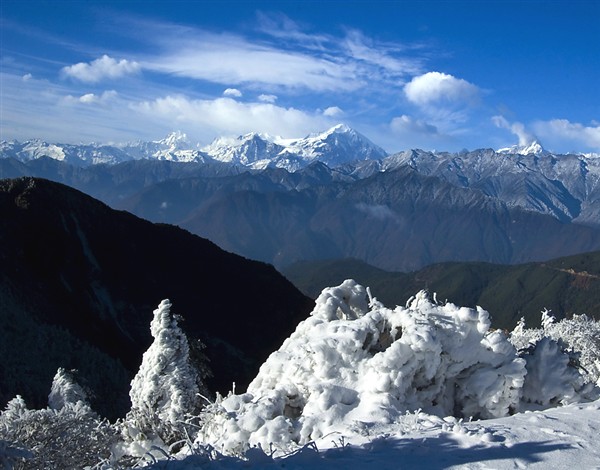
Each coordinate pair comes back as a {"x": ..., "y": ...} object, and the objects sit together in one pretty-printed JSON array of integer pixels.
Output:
[{"x": 355, "y": 361}]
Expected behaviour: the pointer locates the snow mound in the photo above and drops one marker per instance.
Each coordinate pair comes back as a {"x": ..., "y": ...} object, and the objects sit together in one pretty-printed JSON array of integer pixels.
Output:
[{"x": 355, "y": 363}]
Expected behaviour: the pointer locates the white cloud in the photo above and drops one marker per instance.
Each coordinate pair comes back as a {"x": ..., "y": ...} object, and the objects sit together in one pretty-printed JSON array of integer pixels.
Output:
[
  {"x": 91, "y": 98},
  {"x": 407, "y": 125},
  {"x": 284, "y": 56},
  {"x": 434, "y": 88},
  {"x": 333, "y": 111},
  {"x": 27, "y": 77},
  {"x": 561, "y": 133},
  {"x": 99, "y": 69},
  {"x": 267, "y": 98},
  {"x": 228, "y": 116},
  {"x": 525, "y": 137},
  {"x": 382, "y": 58},
  {"x": 234, "y": 92},
  {"x": 229, "y": 59}
]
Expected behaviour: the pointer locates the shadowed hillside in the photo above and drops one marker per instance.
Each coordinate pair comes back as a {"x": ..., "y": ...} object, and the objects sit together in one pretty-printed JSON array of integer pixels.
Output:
[{"x": 79, "y": 282}]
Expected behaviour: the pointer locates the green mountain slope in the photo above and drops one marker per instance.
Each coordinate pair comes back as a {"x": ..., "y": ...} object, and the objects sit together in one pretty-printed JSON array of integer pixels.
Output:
[{"x": 566, "y": 286}]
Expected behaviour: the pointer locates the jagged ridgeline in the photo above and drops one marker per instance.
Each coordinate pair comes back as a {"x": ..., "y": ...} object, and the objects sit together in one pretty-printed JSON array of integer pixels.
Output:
[
  {"x": 79, "y": 282},
  {"x": 337, "y": 195}
]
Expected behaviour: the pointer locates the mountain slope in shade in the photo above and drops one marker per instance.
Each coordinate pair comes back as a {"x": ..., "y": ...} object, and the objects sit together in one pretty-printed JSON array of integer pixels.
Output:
[
  {"x": 566, "y": 286},
  {"x": 79, "y": 282},
  {"x": 566, "y": 187},
  {"x": 395, "y": 220}
]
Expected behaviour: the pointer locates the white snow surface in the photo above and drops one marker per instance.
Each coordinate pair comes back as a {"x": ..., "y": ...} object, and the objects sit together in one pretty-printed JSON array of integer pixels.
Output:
[
  {"x": 362, "y": 386},
  {"x": 558, "y": 438},
  {"x": 354, "y": 364}
]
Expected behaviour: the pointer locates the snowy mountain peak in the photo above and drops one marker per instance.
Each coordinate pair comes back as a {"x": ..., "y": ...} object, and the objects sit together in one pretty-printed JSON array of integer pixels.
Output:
[
  {"x": 339, "y": 145},
  {"x": 176, "y": 140},
  {"x": 534, "y": 148}
]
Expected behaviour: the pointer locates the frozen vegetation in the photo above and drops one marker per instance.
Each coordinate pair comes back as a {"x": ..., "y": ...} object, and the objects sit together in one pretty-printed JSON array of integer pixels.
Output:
[{"x": 357, "y": 385}]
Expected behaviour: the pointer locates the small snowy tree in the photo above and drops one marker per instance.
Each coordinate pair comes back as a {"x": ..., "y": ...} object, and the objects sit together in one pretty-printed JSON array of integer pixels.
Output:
[
  {"x": 579, "y": 337},
  {"x": 166, "y": 390},
  {"x": 65, "y": 390}
]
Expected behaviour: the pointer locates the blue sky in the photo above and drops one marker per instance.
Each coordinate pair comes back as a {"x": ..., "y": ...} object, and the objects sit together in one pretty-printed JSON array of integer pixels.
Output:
[{"x": 442, "y": 75}]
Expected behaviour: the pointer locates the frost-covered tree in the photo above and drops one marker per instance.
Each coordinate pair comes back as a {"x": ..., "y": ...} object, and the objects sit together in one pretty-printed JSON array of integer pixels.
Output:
[
  {"x": 579, "y": 337},
  {"x": 167, "y": 389},
  {"x": 65, "y": 390}
]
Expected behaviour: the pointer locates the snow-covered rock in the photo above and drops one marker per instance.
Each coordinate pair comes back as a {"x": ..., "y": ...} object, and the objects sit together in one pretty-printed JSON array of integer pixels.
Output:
[{"x": 356, "y": 363}]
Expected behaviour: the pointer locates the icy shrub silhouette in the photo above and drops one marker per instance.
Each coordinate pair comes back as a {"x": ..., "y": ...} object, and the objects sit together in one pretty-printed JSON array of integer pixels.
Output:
[{"x": 563, "y": 359}]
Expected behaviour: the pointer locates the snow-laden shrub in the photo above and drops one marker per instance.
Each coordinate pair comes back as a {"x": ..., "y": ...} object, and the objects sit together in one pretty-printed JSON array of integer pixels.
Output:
[
  {"x": 579, "y": 337},
  {"x": 65, "y": 390},
  {"x": 167, "y": 388},
  {"x": 551, "y": 378},
  {"x": 70, "y": 437},
  {"x": 354, "y": 361}
]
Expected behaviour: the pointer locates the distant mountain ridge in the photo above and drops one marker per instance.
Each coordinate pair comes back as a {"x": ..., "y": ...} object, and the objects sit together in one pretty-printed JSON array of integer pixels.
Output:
[
  {"x": 566, "y": 187},
  {"x": 335, "y": 192},
  {"x": 336, "y": 146},
  {"x": 566, "y": 286}
]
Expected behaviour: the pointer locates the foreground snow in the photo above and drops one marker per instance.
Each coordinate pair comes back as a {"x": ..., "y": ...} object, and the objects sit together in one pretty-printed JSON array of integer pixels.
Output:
[
  {"x": 357, "y": 385},
  {"x": 552, "y": 439}
]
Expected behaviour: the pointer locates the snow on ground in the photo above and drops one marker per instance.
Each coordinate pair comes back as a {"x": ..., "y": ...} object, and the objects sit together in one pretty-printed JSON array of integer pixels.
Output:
[
  {"x": 359, "y": 385},
  {"x": 558, "y": 438}
]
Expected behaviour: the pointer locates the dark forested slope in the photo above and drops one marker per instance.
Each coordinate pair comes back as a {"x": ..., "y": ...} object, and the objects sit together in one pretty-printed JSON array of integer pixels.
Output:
[
  {"x": 79, "y": 282},
  {"x": 567, "y": 286}
]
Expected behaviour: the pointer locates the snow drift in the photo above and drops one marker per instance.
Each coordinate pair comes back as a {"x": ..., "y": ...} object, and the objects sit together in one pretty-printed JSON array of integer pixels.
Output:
[{"x": 354, "y": 363}]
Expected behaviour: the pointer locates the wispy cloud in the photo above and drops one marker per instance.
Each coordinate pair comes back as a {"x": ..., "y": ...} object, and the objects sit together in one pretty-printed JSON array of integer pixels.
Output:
[
  {"x": 282, "y": 56},
  {"x": 517, "y": 128},
  {"x": 100, "y": 69},
  {"x": 562, "y": 131}
]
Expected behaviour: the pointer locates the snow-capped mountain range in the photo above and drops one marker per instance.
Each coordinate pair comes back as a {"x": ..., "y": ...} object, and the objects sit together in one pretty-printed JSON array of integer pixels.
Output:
[
  {"x": 530, "y": 177},
  {"x": 336, "y": 146}
]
